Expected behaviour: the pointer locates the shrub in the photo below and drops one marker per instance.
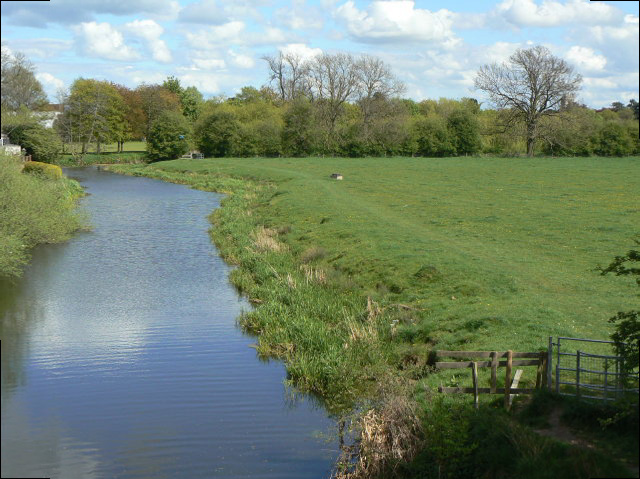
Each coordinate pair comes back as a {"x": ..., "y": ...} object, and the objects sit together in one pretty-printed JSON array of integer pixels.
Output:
[
  {"x": 34, "y": 210},
  {"x": 465, "y": 132},
  {"x": 169, "y": 137},
  {"x": 217, "y": 134},
  {"x": 43, "y": 144},
  {"x": 613, "y": 140},
  {"x": 53, "y": 172},
  {"x": 433, "y": 137}
]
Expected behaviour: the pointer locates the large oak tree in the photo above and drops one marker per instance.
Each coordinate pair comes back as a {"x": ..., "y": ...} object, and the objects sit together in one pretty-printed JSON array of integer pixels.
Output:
[{"x": 532, "y": 84}]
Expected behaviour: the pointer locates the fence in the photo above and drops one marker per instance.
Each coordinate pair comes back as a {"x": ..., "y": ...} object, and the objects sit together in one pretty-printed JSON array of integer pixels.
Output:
[
  {"x": 538, "y": 359},
  {"x": 586, "y": 374}
]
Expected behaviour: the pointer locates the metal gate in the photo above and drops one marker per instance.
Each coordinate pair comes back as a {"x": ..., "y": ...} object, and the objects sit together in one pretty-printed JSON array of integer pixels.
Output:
[{"x": 583, "y": 369}]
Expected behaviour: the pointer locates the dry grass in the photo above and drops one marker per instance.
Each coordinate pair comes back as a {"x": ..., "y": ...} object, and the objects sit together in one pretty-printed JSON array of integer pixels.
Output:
[
  {"x": 264, "y": 239},
  {"x": 314, "y": 275},
  {"x": 388, "y": 435},
  {"x": 313, "y": 253}
]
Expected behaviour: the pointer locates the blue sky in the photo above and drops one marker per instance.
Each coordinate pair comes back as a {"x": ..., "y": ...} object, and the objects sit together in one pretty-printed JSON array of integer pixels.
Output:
[{"x": 435, "y": 47}]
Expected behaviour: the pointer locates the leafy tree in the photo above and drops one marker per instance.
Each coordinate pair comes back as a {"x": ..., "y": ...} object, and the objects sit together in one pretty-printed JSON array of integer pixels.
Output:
[
  {"x": 635, "y": 106},
  {"x": 613, "y": 140},
  {"x": 433, "y": 137},
  {"x": 627, "y": 322},
  {"x": 169, "y": 137},
  {"x": 533, "y": 84},
  {"x": 464, "y": 132},
  {"x": 155, "y": 100},
  {"x": 299, "y": 132},
  {"x": 94, "y": 112},
  {"x": 217, "y": 133},
  {"x": 191, "y": 100},
  {"x": 20, "y": 87},
  {"x": 43, "y": 144}
]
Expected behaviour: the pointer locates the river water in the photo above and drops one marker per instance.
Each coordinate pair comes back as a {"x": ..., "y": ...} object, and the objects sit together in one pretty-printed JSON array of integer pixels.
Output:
[{"x": 121, "y": 357}]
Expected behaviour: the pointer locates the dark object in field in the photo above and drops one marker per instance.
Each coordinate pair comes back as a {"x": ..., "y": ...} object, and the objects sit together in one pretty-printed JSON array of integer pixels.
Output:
[{"x": 336, "y": 176}]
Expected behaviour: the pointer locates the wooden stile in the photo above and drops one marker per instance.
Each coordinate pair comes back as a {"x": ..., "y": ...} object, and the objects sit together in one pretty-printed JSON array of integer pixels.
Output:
[
  {"x": 474, "y": 375},
  {"x": 511, "y": 384},
  {"x": 484, "y": 364},
  {"x": 507, "y": 380},
  {"x": 494, "y": 371}
]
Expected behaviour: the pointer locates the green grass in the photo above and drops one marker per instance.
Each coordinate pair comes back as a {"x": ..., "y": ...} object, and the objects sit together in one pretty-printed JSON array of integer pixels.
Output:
[
  {"x": 355, "y": 281},
  {"x": 33, "y": 209},
  {"x": 134, "y": 152},
  {"x": 515, "y": 242}
]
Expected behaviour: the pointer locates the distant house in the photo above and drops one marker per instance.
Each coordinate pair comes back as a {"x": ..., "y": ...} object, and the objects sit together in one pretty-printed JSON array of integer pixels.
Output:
[
  {"x": 7, "y": 147},
  {"x": 48, "y": 114}
]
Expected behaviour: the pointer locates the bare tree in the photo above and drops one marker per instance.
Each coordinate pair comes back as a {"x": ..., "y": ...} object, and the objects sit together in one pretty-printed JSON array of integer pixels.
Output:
[
  {"x": 533, "y": 84},
  {"x": 333, "y": 81},
  {"x": 289, "y": 73},
  {"x": 20, "y": 87},
  {"x": 376, "y": 84}
]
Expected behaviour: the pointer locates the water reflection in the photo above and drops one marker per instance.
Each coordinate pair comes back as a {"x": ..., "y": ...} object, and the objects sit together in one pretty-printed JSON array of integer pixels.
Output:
[{"x": 120, "y": 354}]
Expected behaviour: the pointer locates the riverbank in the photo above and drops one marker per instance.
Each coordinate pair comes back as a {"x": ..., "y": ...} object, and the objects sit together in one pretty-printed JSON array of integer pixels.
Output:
[
  {"x": 356, "y": 281},
  {"x": 35, "y": 209}
]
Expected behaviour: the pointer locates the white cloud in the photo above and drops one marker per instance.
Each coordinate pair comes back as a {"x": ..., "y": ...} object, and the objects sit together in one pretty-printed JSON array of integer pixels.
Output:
[
  {"x": 204, "y": 82},
  {"x": 618, "y": 43},
  {"x": 233, "y": 33},
  {"x": 39, "y": 14},
  {"x": 212, "y": 37},
  {"x": 550, "y": 13},
  {"x": 36, "y": 48},
  {"x": 240, "y": 60},
  {"x": 301, "y": 50},
  {"x": 300, "y": 16},
  {"x": 397, "y": 21},
  {"x": 151, "y": 32},
  {"x": 101, "y": 40},
  {"x": 207, "y": 12},
  {"x": 209, "y": 64},
  {"x": 49, "y": 82},
  {"x": 586, "y": 58}
]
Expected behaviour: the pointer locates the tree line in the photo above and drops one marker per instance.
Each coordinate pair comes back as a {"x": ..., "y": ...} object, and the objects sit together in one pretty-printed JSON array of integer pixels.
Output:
[{"x": 339, "y": 105}]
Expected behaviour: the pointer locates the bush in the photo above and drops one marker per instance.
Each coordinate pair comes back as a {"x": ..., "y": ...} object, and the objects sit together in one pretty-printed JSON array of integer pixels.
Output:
[
  {"x": 46, "y": 170},
  {"x": 613, "y": 140},
  {"x": 168, "y": 137},
  {"x": 465, "y": 132},
  {"x": 217, "y": 134},
  {"x": 43, "y": 144},
  {"x": 35, "y": 210},
  {"x": 433, "y": 137}
]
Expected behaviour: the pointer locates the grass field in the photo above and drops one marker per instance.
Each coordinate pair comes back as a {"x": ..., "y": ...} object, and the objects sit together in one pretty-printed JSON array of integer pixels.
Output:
[
  {"x": 356, "y": 280},
  {"x": 514, "y": 241}
]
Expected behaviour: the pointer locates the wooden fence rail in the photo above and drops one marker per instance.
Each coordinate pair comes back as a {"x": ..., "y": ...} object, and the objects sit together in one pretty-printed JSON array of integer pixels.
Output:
[{"x": 511, "y": 384}]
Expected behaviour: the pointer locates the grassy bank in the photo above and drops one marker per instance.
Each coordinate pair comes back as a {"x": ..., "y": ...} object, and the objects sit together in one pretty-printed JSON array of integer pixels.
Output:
[
  {"x": 33, "y": 210},
  {"x": 133, "y": 152},
  {"x": 355, "y": 281}
]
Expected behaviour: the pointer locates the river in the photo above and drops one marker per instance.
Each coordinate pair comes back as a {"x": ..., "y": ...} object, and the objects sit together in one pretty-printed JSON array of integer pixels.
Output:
[{"x": 121, "y": 357}]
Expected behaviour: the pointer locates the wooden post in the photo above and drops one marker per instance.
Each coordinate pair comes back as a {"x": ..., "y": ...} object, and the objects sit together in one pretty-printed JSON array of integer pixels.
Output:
[
  {"x": 578, "y": 373},
  {"x": 494, "y": 371},
  {"x": 516, "y": 381},
  {"x": 474, "y": 375},
  {"x": 507, "y": 379},
  {"x": 541, "y": 373},
  {"x": 549, "y": 362}
]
